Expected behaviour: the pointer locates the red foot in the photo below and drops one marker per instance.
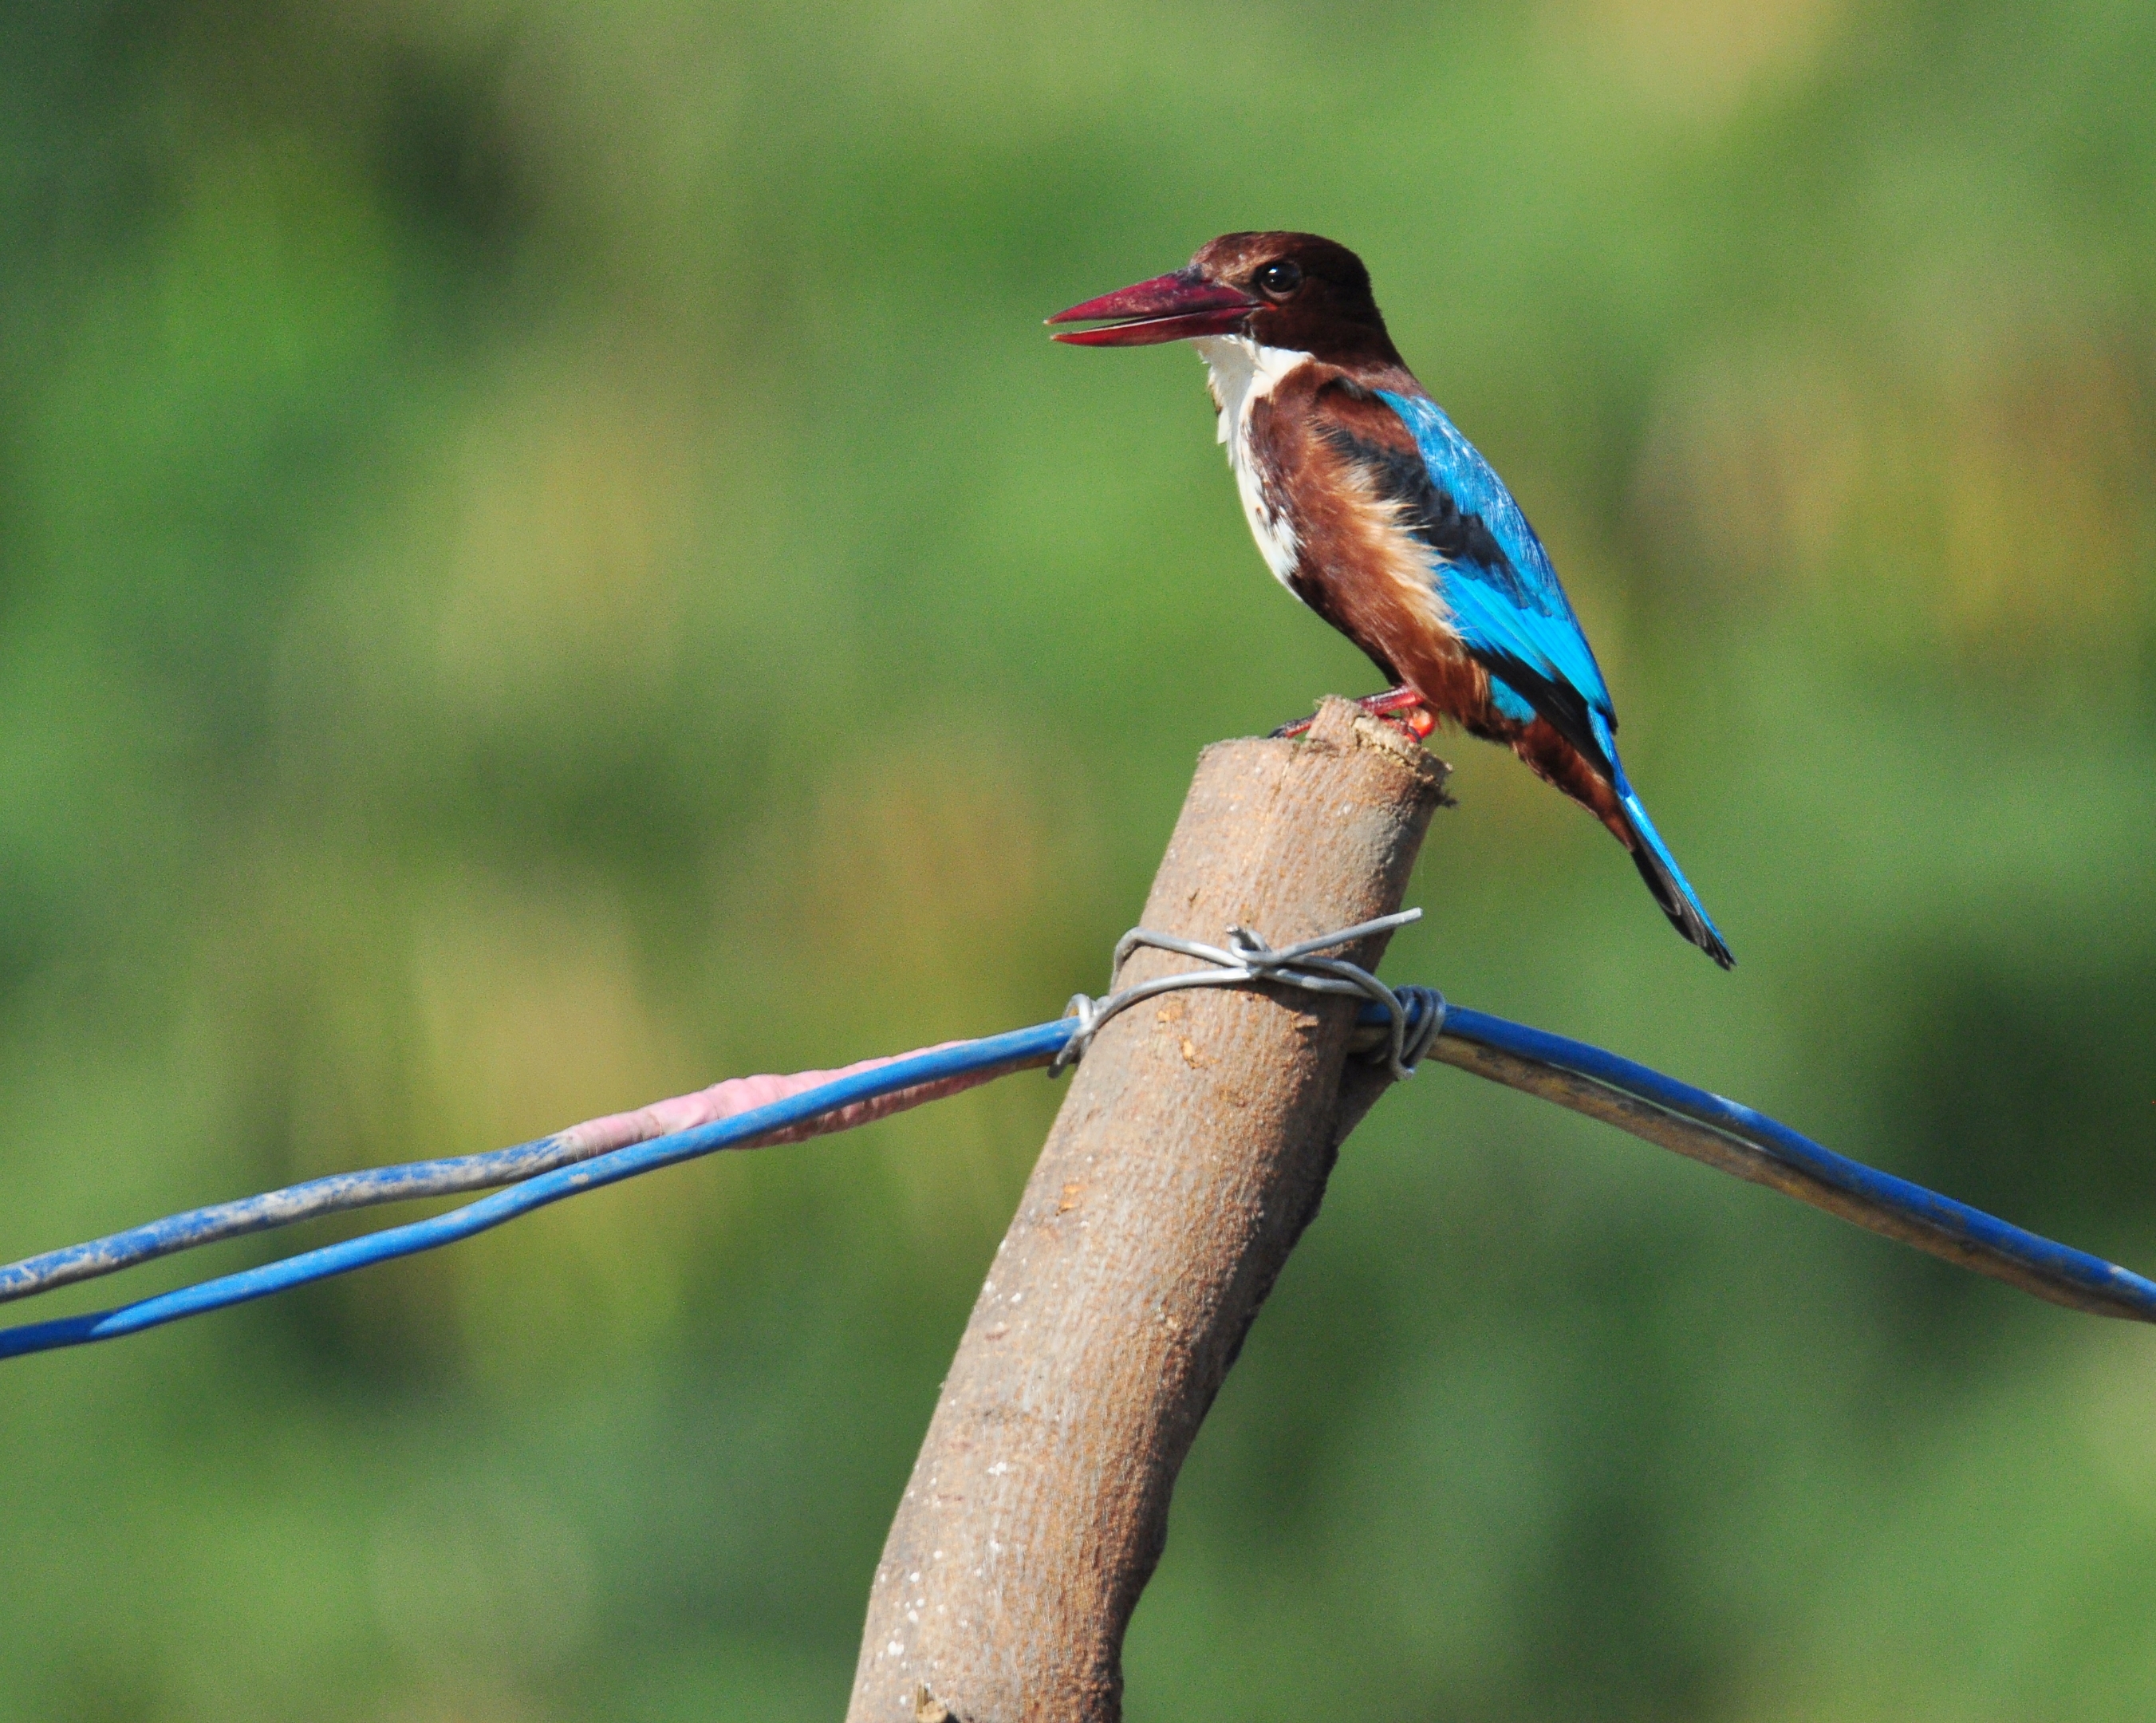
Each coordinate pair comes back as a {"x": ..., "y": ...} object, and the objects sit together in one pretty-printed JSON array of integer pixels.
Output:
[{"x": 1402, "y": 706}]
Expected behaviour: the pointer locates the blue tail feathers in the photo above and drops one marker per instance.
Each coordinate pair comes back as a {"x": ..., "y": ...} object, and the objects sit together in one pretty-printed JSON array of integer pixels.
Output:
[
  {"x": 1666, "y": 879},
  {"x": 1652, "y": 857}
]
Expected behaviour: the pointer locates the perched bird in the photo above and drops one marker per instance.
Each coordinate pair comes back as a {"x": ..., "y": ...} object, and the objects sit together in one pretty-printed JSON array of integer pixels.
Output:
[{"x": 1373, "y": 509}]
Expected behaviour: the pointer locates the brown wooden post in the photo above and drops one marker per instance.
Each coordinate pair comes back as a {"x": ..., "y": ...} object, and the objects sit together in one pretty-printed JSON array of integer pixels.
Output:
[{"x": 1190, "y": 1154}]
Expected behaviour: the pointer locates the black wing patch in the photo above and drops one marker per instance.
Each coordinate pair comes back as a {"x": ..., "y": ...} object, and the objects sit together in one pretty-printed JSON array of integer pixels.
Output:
[{"x": 1429, "y": 513}]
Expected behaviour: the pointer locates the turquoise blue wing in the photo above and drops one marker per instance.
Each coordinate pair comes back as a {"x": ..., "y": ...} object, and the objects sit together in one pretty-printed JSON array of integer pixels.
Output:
[{"x": 1496, "y": 580}]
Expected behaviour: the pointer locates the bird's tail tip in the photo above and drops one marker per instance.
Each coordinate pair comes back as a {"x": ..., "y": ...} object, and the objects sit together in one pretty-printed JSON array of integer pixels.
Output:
[
  {"x": 1683, "y": 908},
  {"x": 1672, "y": 889}
]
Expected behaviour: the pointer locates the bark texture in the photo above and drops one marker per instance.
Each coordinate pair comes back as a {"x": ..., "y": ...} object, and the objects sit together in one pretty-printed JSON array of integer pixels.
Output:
[{"x": 1191, "y": 1151}]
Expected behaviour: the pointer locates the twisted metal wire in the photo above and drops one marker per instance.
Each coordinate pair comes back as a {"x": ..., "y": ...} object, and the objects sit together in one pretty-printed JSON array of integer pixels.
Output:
[{"x": 1248, "y": 958}]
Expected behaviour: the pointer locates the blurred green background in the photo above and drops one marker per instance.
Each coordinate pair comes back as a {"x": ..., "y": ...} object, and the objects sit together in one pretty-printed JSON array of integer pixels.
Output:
[{"x": 545, "y": 559}]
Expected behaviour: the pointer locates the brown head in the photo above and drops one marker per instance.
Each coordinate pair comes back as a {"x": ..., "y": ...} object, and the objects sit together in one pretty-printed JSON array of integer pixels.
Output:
[{"x": 1291, "y": 290}]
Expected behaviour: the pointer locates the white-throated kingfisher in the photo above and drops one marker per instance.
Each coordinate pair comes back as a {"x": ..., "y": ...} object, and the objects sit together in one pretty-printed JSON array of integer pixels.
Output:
[{"x": 1371, "y": 507}]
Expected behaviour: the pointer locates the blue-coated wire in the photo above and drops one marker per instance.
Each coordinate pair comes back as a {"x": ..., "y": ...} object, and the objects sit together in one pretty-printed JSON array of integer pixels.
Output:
[
  {"x": 1889, "y": 1203},
  {"x": 2122, "y": 1292},
  {"x": 1020, "y": 1047}
]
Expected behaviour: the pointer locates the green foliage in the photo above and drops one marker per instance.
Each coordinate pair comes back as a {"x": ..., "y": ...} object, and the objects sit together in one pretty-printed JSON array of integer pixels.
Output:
[{"x": 544, "y": 559}]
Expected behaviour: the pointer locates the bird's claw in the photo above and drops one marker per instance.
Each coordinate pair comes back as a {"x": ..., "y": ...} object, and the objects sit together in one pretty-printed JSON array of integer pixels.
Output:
[{"x": 1402, "y": 706}]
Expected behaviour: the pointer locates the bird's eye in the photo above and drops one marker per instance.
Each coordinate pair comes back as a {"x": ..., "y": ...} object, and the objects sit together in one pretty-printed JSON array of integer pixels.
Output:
[{"x": 1278, "y": 280}]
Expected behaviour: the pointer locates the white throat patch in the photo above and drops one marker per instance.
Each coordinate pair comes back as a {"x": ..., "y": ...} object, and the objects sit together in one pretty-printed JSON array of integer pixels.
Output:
[{"x": 1242, "y": 372}]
